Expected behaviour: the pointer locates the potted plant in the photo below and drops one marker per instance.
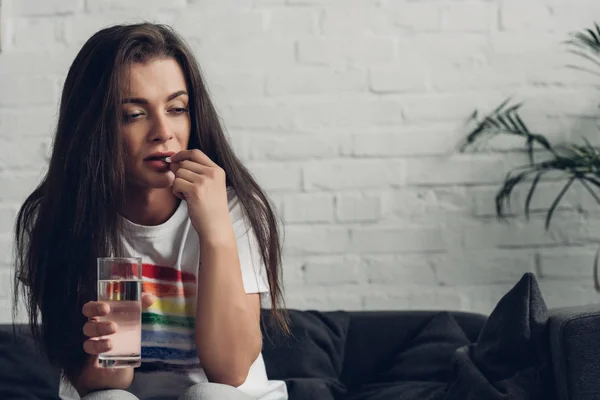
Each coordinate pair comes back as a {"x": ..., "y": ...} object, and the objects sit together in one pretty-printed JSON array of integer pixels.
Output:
[{"x": 577, "y": 163}]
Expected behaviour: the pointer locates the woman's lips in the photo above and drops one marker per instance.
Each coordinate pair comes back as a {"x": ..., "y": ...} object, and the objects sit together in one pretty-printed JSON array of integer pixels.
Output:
[{"x": 159, "y": 164}]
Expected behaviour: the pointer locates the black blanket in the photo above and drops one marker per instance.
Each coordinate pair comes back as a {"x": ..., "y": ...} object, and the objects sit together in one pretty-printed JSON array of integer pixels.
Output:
[{"x": 509, "y": 360}]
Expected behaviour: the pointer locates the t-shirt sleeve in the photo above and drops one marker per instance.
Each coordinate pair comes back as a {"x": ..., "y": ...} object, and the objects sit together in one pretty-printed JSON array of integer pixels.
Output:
[{"x": 254, "y": 272}]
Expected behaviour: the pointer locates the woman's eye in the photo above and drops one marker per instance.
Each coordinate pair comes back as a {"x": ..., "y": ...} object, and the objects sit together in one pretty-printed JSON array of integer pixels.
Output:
[
  {"x": 128, "y": 117},
  {"x": 179, "y": 110}
]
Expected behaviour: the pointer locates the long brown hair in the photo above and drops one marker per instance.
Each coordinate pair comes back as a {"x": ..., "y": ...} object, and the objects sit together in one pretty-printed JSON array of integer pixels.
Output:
[{"x": 72, "y": 217}]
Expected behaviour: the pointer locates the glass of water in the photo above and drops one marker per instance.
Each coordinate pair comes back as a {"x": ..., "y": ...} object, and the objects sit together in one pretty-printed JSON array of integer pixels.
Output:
[{"x": 120, "y": 286}]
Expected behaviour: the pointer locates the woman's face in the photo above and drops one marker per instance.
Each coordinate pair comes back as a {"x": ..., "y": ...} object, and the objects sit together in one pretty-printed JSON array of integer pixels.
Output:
[{"x": 156, "y": 121}]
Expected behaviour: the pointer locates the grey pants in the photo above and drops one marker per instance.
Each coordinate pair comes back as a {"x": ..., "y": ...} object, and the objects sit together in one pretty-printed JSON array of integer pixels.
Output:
[{"x": 200, "y": 391}]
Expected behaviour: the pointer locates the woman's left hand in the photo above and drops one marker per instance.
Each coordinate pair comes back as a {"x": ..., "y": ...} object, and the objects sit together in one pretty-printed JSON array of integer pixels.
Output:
[{"x": 202, "y": 184}]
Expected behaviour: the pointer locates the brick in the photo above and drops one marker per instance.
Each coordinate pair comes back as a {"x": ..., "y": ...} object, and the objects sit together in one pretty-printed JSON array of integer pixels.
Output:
[
  {"x": 8, "y": 216},
  {"x": 483, "y": 298},
  {"x": 468, "y": 16},
  {"x": 569, "y": 17},
  {"x": 94, "y": 6},
  {"x": 276, "y": 200},
  {"x": 398, "y": 239},
  {"x": 556, "y": 73},
  {"x": 448, "y": 79},
  {"x": 55, "y": 62},
  {"x": 556, "y": 294},
  {"x": 315, "y": 81},
  {"x": 293, "y": 269},
  {"x": 5, "y": 311},
  {"x": 413, "y": 298},
  {"x": 423, "y": 204},
  {"x": 292, "y": 22},
  {"x": 308, "y": 207},
  {"x": 236, "y": 84},
  {"x": 15, "y": 121},
  {"x": 530, "y": 45},
  {"x": 575, "y": 230},
  {"x": 487, "y": 267},
  {"x": 576, "y": 129},
  {"x": 334, "y": 270},
  {"x": 451, "y": 48},
  {"x": 405, "y": 78},
  {"x": 448, "y": 107},
  {"x": 359, "y": 113},
  {"x": 400, "y": 269},
  {"x": 567, "y": 263},
  {"x": 258, "y": 116},
  {"x": 301, "y": 240},
  {"x": 277, "y": 176},
  {"x": 411, "y": 141},
  {"x": 38, "y": 33},
  {"x": 268, "y": 3},
  {"x": 264, "y": 54},
  {"x": 334, "y": 3},
  {"x": 356, "y": 21},
  {"x": 24, "y": 153},
  {"x": 336, "y": 51},
  {"x": 567, "y": 102},
  {"x": 21, "y": 184},
  {"x": 295, "y": 146},
  {"x": 6, "y": 250},
  {"x": 456, "y": 170},
  {"x": 222, "y": 4},
  {"x": 358, "y": 207},
  {"x": 323, "y": 299},
  {"x": 202, "y": 24},
  {"x": 353, "y": 174},
  {"x": 6, "y": 283},
  {"x": 512, "y": 234},
  {"x": 517, "y": 16},
  {"x": 45, "y": 7},
  {"x": 484, "y": 199},
  {"x": 18, "y": 90},
  {"x": 79, "y": 28},
  {"x": 414, "y": 16}
]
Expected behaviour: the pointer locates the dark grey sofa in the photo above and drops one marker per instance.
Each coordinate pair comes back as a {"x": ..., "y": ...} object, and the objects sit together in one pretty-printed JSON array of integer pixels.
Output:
[
  {"x": 371, "y": 341},
  {"x": 520, "y": 351}
]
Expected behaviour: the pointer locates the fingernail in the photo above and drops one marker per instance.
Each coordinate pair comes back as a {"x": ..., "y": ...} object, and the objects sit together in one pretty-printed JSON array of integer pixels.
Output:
[{"x": 168, "y": 159}]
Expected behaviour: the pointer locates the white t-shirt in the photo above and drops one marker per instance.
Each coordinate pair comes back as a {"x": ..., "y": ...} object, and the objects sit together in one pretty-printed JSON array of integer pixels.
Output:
[{"x": 171, "y": 255}]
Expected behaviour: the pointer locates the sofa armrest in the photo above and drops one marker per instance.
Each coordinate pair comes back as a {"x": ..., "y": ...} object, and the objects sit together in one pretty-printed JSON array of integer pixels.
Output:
[{"x": 575, "y": 351}]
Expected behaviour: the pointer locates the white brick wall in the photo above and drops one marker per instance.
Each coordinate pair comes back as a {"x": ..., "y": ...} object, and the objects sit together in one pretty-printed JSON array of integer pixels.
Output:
[{"x": 348, "y": 112}]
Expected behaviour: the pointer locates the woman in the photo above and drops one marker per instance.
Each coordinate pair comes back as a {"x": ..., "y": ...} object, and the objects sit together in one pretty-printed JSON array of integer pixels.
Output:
[{"x": 141, "y": 167}]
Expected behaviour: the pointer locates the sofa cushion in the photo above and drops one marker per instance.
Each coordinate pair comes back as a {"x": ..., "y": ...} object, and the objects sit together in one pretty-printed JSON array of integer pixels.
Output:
[
  {"x": 24, "y": 373},
  {"x": 511, "y": 359},
  {"x": 310, "y": 360},
  {"x": 420, "y": 369}
]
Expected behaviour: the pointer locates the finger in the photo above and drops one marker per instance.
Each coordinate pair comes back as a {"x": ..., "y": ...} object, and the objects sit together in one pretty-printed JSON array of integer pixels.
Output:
[
  {"x": 93, "y": 309},
  {"x": 189, "y": 176},
  {"x": 94, "y": 329},
  {"x": 182, "y": 187},
  {"x": 194, "y": 167},
  {"x": 193, "y": 155},
  {"x": 147, "y": 300},
  {"x": 97, "y": 346}
]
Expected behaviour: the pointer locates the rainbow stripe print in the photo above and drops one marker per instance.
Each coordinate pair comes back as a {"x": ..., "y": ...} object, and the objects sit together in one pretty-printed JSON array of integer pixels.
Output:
[{"x": 168, "y": 325}]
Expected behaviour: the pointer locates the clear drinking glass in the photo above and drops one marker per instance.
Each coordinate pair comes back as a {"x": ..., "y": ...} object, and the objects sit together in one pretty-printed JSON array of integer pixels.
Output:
[{"x": 120, "y": 285}]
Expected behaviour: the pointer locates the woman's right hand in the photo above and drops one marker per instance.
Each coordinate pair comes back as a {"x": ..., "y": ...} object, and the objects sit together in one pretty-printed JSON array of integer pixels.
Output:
[
  {"x": 94, "y": 329},
  {"x": 93, "y": 377}
]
